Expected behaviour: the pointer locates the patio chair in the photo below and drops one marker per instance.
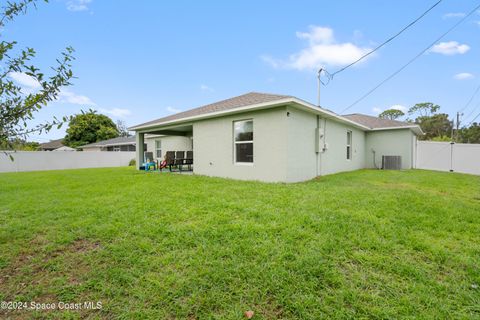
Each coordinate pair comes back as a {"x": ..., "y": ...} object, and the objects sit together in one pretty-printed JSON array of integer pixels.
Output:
[
  {"x": 169, "y": 159},
  {"x": 179, "y": 159},
  {"x": 189, "y": 159},
  {"x": 149, "y": 161}
]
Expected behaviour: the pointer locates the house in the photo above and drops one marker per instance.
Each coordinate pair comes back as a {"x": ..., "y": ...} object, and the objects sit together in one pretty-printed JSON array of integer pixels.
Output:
[
  {"x": 278, "y": 138},
  {"x": 51, "y": 145},
  {"x": 115, "y": 144}
]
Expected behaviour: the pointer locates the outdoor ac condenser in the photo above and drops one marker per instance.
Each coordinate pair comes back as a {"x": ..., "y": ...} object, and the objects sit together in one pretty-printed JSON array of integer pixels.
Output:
[{"x": 391, "y": 162}]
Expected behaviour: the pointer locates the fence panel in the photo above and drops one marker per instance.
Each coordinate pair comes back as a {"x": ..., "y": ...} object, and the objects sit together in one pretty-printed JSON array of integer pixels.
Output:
[
  {"x": 445, "y": 156},
  {"x": 58, "y": 160}
]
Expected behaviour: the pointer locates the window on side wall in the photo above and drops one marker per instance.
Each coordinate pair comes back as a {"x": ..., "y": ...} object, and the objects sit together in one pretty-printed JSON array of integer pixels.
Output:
[
  {"x": 349, "y": 145},
  {"x": 158, "y": 148},
  {"x": 243, "y": 141},
  {"x": 116, "y": 148}
]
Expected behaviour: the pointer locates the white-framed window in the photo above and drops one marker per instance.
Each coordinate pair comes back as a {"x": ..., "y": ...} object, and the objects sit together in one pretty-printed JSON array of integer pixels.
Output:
[
  {"x": 349, "y": 145},
  {"x": 116, "y": 148},
  {"x": 243, "y": 141},
  {"x": 158, "y": 148}
]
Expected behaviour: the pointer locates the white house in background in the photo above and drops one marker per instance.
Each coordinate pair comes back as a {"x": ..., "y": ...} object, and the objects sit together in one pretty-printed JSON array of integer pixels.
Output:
[
  {"x": 115, "y": 144},
  {"x": 276, "y": 138}
]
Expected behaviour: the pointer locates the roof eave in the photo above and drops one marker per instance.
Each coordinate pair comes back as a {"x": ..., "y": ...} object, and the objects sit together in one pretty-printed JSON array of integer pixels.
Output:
[
  {"x": 414, "y": 128},
  {"x": 287, "y": 101}
]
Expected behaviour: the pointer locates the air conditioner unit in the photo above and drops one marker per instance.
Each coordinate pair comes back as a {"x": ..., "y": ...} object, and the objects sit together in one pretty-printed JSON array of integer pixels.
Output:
[{"x": 391, "y": 162}]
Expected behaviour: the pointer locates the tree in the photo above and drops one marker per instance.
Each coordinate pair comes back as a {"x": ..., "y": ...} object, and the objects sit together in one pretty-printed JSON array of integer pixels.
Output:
[
  {"x": 470, "y": 134},
  {"x": 424, "y": 109},
  {"x": 437, "y": 125},
  {"x": 433, "y": 124},
  {"x": 19, "y": 144},
  {"x": 17, "y": 107},
  {"x": 391, "y": 114},
  {"x": 122, "y": 129},
  {"x": 89, "y": 127}
]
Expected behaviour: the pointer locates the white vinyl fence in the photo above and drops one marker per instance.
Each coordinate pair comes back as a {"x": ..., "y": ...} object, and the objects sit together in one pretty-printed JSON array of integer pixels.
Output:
[
  {"x": 57, "y": 160},
  {"x": 446, "y": 156}
]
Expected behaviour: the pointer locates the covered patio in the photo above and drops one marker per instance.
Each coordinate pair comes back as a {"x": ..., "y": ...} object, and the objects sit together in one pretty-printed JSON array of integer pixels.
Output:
[{"x": 162, "y": 139}]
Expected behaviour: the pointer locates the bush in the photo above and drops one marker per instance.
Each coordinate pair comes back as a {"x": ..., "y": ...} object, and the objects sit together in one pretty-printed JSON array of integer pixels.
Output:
[{"x": 132, "y": 163}]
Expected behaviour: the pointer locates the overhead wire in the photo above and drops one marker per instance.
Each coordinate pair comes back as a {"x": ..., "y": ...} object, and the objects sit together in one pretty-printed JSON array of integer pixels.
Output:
[
  {"x": 388, "y": 40},
  {"x": 413, "y": 59}
]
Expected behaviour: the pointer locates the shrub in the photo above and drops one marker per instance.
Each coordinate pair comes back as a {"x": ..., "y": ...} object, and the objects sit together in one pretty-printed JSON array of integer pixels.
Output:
[{"x": 132, "y": 163}]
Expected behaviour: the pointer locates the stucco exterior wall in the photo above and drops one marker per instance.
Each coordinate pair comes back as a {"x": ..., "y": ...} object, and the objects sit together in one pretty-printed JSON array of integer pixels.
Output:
[
  {"x": 213, "y": 148},
  {"x": 334, "y": 158},
  {"x": 169, "y": 143},
  {"x": 399, "y": 142},
  {"x": 301, "y": 155}
]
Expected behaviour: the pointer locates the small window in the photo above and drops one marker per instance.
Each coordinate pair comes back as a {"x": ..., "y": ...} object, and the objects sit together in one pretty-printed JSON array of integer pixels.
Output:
[
  {"x": 243, "y": 141},
  {"x": 349, "y": 145},
  {"x": 116, "y": 148},
  {"x": 158, "y": 148}
]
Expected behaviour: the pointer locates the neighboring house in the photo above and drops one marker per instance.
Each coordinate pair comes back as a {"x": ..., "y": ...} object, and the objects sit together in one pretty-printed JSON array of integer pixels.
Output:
[
  {"x": 115, "y": 144},
  {"x": 278, "y": 138},
  {"x": 65, "y": 148},
  {"x": 51, "y": 145}
]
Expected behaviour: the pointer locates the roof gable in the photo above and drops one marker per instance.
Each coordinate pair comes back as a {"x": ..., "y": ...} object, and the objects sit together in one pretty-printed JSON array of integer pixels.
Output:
[{"x": 247, "y": 99}]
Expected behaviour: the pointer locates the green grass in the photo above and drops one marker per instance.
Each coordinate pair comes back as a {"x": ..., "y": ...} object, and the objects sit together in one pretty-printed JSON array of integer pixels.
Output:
[{"x": 365, "y": 244}]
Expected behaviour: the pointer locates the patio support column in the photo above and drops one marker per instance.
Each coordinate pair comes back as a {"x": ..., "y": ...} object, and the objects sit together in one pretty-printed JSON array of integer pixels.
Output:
[{"x": 139, "y": 143}]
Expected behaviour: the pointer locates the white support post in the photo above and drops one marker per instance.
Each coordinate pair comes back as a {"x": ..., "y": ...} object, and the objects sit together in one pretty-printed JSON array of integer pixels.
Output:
[{"x": 139, "y": 143}]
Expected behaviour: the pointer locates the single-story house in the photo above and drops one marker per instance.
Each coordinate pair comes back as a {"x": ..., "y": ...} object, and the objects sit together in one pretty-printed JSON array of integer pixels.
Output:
[
  {"x": 51, "y": 145},
  {"x": 115, "y": 144},
  {"x": 278, "y": 138}
]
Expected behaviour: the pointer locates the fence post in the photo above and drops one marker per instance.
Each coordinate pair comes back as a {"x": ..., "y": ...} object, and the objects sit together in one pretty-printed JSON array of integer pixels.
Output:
[{"x": 451, "y": 156}]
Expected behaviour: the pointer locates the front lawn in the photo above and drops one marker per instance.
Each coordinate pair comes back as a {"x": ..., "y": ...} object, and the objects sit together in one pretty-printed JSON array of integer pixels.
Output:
[{"x": 374, "y": 244}]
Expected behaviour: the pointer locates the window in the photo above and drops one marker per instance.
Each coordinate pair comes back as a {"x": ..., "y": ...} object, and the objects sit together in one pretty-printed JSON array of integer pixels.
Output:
[
  {"x": 243, "y": 141},
  {"x": 158, "y": 148},
  {"x": 116, "y": 148},
  {"x": 349, "y": 145}
]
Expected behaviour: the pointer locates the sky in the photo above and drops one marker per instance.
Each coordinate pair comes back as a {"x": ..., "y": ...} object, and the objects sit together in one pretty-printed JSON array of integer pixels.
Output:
[{"x": 141, "y": 60}]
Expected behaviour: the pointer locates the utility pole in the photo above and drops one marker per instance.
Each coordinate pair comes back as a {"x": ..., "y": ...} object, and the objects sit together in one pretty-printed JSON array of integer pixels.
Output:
[
  {"x": 458, "y": 125},
  {"x": 319, "y": 84}
]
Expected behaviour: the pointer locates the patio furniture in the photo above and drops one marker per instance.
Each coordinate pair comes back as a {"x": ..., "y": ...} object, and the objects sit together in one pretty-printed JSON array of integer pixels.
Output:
[
  {"x": 189, "y": 159},
  {"x": 169, "y": 159},
  {"x": 149, "y": 163},
  {"x": 179, "y": 159}
]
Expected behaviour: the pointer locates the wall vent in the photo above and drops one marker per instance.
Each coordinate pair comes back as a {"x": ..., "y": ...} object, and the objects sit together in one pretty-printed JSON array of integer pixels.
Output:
[{"x": 391, "y": 162}]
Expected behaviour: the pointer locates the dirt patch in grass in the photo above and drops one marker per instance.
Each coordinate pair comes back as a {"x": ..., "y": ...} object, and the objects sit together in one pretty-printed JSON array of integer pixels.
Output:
[{"x": 33, "y": 274}]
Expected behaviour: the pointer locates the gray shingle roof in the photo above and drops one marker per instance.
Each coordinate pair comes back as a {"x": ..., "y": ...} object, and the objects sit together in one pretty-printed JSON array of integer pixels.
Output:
[
  {"x": 111, "y": 142},
  {"x": 375, "y": 122},
  {"x": 53, "y": 144},
  {"x": 232, "y": 103}
]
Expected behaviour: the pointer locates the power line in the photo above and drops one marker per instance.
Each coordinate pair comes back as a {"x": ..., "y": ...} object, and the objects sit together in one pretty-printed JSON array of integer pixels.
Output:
[
  {"x": 472, "y": 112},
  {"x": 471, "y": 99},
  {"x": 388, "y": 40},
  {"x": 478, "y": 115},
  {"x": 413, "y": 59}
]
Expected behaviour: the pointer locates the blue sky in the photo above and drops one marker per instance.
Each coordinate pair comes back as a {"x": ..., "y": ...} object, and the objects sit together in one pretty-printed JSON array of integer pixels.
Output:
[{"x": 141, "y": 60}]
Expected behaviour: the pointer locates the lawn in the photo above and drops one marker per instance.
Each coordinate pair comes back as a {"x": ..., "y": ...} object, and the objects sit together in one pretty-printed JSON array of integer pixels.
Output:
[{"x": 364, "y": 244}]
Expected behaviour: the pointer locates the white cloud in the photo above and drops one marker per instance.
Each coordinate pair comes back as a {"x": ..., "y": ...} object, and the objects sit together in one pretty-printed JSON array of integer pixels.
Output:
[
  {"x": 24, "y": 80},
  {"x": 67, "y": 96},
  {"x": 322, "y": 50},
  {"x": 204, "y": 87},
  {"x": 377, "y": 111},
  {"x": 450, "y": 48},
  {"x": 463, "y": 76},
  {"x": 454, "y": 15},
  {"x": 78, "y": 5},
  {"x": 116, "y": 112},
  {"x": 173, "y": 110}
]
